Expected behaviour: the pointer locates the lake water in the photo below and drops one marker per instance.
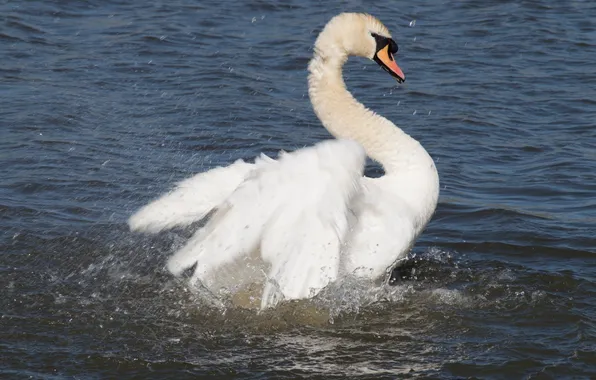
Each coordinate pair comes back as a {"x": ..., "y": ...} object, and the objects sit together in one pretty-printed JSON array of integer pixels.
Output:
[{"x": 105, "y": 104}]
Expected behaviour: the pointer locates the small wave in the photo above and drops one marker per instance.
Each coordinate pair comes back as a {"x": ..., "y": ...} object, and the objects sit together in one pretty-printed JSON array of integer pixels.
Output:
[{"x": 515, "y": 250}]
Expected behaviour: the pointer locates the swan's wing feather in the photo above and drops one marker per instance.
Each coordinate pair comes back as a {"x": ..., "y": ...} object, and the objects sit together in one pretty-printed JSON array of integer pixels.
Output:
[
  {"x": 233, "y": 231},
  {"x": 304, "y": 239},
  {"x": 191, "y": 200},
  {"x": 295, "y": 210},
  {"x": 384, "y": 232},
  {"x": 305, "y": 254},
  {"x": 235, "y": 228}
]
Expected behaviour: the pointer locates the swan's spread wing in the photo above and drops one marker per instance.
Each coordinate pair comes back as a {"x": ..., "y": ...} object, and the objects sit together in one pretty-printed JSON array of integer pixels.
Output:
[
  {"x": 192, "y": 199},
  {"x": 304, "y": 250},
  {"x": 294, "y": 210}
]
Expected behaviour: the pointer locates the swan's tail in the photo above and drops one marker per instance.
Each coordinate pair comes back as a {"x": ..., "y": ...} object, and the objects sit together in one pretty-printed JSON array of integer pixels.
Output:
[{"x": 191, "y": 200}]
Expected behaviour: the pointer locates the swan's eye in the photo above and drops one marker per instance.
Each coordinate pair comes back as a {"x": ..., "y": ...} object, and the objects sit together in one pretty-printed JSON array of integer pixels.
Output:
[
  {"x": 383, "y": 41},
  {"x": 393, "y": 46}
]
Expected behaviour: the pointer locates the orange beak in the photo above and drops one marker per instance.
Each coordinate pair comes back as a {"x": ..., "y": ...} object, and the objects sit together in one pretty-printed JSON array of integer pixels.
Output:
[{"x": 385, "y": 59}]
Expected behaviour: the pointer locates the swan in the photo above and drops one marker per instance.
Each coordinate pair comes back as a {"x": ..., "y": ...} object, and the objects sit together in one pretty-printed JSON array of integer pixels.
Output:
[{"x": 287, "y": 227}]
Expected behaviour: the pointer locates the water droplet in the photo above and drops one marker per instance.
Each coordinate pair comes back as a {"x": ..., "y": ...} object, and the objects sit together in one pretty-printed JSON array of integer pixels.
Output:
[{"x": 412, "y": 23}]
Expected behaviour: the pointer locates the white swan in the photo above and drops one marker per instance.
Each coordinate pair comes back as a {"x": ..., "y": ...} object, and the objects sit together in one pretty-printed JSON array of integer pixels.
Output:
[{"x": 294, "y": 224}]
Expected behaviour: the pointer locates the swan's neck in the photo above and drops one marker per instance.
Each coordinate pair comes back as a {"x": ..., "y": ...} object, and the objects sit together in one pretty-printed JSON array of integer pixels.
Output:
[{"x": 345, "y": 117}]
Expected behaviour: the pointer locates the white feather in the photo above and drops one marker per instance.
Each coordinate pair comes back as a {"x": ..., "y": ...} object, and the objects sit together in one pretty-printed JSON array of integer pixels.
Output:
[
  {"x": 192, "y": 199},
  {"x": 294, "y": 209}
]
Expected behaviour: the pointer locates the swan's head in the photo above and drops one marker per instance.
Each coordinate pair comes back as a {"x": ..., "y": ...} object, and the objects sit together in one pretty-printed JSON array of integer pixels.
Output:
[{"x": 362, "y": 35}]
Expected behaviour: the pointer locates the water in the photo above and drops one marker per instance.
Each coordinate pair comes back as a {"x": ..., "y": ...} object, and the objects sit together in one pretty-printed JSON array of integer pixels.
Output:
[{"x": 104, "y": 105}]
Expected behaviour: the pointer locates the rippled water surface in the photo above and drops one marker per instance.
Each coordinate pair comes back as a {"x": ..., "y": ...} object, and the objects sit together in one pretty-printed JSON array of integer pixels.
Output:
[{"x": 105, "y": 104}]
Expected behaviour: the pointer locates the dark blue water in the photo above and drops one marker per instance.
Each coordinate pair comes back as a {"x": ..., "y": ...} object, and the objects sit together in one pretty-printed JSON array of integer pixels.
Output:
[{"x": 105, "y": 104}]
